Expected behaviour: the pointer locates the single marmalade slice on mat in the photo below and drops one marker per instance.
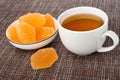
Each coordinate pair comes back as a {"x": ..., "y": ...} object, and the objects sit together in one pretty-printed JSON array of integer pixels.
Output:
[{"x": 43, "y": 58}]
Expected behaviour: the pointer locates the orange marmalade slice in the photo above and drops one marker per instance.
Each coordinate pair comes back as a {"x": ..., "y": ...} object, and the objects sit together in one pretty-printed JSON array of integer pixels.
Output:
[
  {"x": 44, "y": 33},
  {"x": 49, "y": 20},
  {"x": 12, "y": 32},
  {"x": 43, "y": 58},
  {"x": 34, "y": 19},
  {"x": 26, "y": 33}
]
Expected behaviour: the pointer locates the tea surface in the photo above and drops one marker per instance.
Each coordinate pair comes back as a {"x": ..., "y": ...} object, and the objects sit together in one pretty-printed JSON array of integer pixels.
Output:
[{"x": 82, "y": 22}]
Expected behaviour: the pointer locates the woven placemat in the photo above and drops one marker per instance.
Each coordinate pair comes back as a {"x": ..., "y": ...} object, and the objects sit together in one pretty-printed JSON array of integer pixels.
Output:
[{"x": 15, "y": 63}]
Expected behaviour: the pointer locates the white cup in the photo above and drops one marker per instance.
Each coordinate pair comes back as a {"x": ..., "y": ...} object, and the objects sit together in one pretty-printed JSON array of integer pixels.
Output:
[{"x": 86, "y": 42}]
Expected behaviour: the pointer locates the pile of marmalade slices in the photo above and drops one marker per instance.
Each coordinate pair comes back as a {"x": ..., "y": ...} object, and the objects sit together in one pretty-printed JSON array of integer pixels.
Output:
[{"x": 31, "y": 28}]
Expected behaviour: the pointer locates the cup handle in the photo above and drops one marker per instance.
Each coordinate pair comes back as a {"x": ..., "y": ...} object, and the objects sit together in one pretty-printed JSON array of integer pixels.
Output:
[{"x": 115, "y": 39}]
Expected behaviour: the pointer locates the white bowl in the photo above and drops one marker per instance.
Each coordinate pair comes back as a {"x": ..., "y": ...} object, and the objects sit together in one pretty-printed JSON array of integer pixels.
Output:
[{"x": 36, "y": 45}]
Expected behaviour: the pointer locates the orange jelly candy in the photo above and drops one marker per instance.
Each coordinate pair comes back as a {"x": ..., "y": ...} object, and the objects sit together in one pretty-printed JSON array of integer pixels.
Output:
[
  {"x": 44, "y": 32},
  {"x": 34, "y": 19},
  {"x": 26, "y": 33},
  {"x": 49, "y": 20},
  {"x": 12, "y": 32},
  {"x": 43, "y": 58}
]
